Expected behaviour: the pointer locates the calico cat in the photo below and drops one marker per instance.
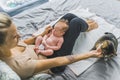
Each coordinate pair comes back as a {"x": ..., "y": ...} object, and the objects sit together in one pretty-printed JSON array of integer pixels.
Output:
[{"x": 108, "y": 44}]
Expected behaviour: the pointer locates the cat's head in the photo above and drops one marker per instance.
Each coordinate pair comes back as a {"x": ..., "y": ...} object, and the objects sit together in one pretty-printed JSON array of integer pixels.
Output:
[
  {"x": 108, "y": 48},
  {"x": 109, "y": 44}
]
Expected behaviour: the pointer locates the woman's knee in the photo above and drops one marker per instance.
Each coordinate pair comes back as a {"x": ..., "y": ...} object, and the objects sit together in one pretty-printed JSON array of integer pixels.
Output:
[
  {"x": 75, "y": 22},
  {"x": 78, "y": 23},
  {"x": 69, "y": 16}
]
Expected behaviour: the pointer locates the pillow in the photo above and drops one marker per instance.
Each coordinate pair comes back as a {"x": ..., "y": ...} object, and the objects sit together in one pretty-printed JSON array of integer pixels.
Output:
[
  {"x": 6, "y": 73},
  {"x": 13, "y": 7}
]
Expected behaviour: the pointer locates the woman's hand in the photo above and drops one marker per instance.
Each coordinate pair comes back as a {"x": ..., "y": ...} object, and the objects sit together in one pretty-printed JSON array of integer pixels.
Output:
[
  {"x": 96, "y": 53},
  {"x": 48, "y": 29}
]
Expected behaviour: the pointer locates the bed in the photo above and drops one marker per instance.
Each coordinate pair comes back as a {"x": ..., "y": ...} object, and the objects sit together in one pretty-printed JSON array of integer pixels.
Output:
[{"x": 35, "y": 19}]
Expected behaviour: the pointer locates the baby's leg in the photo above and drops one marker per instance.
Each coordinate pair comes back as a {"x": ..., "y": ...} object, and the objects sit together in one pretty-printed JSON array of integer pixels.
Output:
[
  {"x": 38, "y": 41},
  {"x": 47, "y": 52}
]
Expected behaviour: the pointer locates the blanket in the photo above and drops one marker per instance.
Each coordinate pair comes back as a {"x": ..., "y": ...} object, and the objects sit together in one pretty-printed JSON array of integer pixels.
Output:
[{"x": 86, "y": 40}]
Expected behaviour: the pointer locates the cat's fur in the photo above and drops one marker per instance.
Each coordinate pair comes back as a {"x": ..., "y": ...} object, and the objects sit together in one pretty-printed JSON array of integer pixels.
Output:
[{"x": 108, "y": 43}]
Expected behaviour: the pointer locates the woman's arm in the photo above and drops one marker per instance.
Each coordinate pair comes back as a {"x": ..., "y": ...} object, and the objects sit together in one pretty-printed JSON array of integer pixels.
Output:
[
  {"x": 60, "y": 61},
  {"x": 31, "y": 40}
]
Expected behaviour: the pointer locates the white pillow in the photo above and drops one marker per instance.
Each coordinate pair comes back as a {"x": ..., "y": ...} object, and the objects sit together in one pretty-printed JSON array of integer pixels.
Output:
[
  {"x": 10, "y": 5},
  {"x": 13, "y": 7}
]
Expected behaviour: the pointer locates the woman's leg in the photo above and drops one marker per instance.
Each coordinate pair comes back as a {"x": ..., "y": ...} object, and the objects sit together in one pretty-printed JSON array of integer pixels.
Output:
[
  {"x": 76, "y": 25},
  {"x": 69, "y": 17}
]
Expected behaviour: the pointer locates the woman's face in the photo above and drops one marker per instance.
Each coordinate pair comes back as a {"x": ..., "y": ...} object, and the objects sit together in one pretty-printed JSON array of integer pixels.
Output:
[{"x": 12, "y": 37}]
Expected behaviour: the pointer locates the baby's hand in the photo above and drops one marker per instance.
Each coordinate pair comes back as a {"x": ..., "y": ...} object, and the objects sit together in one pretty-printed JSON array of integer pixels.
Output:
[{"x": 43, "y": 42}]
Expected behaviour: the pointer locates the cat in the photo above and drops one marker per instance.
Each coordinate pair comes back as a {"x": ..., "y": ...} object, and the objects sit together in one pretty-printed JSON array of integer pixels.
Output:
[{"x": 108, "y": 44}]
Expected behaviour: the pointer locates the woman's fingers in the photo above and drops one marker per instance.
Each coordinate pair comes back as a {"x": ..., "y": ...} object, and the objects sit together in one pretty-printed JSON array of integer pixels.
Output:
[
  {"x": 99, "y": 48},
  {"x": 99, "y": 51},
  {"x": 48, "y": 29}
]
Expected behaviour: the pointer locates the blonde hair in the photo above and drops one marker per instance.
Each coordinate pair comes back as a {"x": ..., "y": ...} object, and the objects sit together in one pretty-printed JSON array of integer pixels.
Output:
[
  {"x": 5, "y": 22},
  {"x": 65, "y": 28}
]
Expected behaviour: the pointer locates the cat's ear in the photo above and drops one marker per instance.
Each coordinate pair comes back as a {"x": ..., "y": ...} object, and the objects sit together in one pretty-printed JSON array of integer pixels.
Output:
[
  {"x": 94, "y": 48},
  {"x": 107, "y": 33}
]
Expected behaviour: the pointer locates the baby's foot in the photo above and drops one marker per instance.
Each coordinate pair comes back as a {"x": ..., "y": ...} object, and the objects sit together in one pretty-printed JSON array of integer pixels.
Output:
[
  {"x": 37, "y": 51},
  {"x": 91, "y": 24}
]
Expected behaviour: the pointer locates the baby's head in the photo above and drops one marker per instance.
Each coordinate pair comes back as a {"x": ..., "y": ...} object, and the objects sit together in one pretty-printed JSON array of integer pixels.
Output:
[{"x": 61, "y": 27}]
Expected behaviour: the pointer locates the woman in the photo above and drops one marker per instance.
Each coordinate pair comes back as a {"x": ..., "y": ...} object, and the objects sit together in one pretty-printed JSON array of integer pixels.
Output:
[{"x": 21, "y": 56}]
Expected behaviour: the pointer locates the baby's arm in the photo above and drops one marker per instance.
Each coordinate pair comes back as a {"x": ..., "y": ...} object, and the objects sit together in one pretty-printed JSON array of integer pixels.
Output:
[{"x": 58, "y": 46}]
